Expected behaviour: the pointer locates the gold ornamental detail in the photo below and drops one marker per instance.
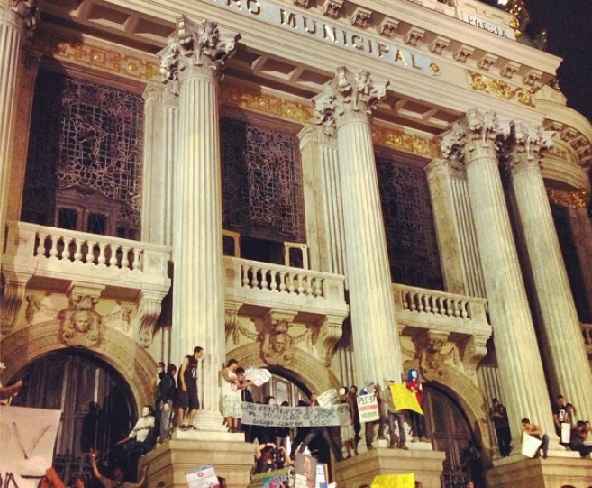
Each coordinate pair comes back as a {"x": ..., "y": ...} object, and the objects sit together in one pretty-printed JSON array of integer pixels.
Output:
[
  {"x": 81, "y": 52},
  {"x": 252, "y": 99},
  {"x": 501, "y": 89},
  {"x": 569, "y": 198},
  {"x": 397, "y": 139}
]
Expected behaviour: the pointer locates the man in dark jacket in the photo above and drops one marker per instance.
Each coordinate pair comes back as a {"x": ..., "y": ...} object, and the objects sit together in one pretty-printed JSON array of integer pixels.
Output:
[{"x": 167, "y": 388}]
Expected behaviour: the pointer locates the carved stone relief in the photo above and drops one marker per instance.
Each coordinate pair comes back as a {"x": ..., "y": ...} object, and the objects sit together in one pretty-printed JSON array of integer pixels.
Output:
[{"x": 80, "y": 324}]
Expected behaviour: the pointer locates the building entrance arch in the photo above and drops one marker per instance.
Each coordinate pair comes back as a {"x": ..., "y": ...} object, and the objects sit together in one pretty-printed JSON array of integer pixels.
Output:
[{"x": 98, "y": 408}]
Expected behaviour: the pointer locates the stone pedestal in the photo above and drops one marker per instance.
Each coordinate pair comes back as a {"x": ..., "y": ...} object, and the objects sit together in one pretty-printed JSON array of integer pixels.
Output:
[
  {"x": 231, "y": 456},
  {"x": 344, "y": 107},
  {"x": 191, "y": 64},
  {"x": 566, "y": 358},
  {"x": 561, "y": 470},
  {"x": 359, "y": 471}
]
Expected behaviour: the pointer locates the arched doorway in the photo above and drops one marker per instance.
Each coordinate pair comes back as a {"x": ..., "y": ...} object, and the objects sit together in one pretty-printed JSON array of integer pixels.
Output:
[
  {"x": 451, "y": 433},
  {"x": 96, "y": 402}
]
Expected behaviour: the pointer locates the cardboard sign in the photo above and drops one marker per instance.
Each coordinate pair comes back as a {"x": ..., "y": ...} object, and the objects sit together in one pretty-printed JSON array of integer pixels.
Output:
[
  {"x": 277, "y": 416},
  {"x": 368, "y": 408},
  {"x": 202, "y": 477},
  {"x": 306, "y": 470},
  {"x": 406, "y": 480},
  {"x": 530, "y": 445},
  {"x": 27, "y": 437},
  {"x": 565, "y": 433}
]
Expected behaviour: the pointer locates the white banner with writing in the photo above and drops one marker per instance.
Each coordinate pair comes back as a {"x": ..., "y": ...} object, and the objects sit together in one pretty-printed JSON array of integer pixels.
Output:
[
  {"x": 27, "y": 438},
  {"x": 276, "y": 416}
]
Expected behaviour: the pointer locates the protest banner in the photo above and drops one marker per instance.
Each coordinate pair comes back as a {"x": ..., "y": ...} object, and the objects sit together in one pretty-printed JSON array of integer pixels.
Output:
[
  {"x": 306, "y": 469},
  {"x": 565, "y": 433},
  {"x": 368, "y": 408},
  {"x": 257, "y": 376},
  {"x": 405, "y": 480},
  {"x": 27, "y": 438},
  {"x": 404, "y": 399},
  {"x": 277, "y": 416},
  {"x": 202, "y": 477},
  {"x": 530, "y": 445},
  {"x": 328, "y": 398}
]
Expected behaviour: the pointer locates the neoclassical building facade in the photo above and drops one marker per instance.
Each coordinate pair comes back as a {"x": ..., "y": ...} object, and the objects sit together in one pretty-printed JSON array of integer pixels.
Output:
[{"x": 338, "y": 190}]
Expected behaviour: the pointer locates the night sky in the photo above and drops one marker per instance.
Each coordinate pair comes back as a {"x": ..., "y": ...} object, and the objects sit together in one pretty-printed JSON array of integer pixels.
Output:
[{"x": 569, "y": 27}]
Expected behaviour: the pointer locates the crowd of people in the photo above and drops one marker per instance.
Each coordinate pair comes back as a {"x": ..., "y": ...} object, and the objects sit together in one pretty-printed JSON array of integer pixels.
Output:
[{"x": 573, "y": 434}]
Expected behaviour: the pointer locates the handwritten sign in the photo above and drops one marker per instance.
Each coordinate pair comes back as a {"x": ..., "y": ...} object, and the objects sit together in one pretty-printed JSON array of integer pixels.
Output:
[
  {"x": 27, "y": 437},
  {"x": 276, "y": 416},
  {"x": 202, "y": 477},
  {"x": 368, "y": 408}
]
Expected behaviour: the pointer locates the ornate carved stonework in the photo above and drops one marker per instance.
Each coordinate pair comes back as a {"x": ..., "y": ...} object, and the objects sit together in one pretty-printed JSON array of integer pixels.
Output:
[
  {"x": 501, "y": 89},
  {"x": 569, "y": 198},
  {"x": 80, "y": 324},
  {"x": 530, "y": 141},
  {"x": 434, "y": 350},
  {"x": 275, "y": 342},
  {"x": 147, "y": 317},
  {"x": 348, "y": 93},
  {"x": 12, "y": 298},
  {"x": 197, "y": 43},
  {"x": 476, "y": 127}
]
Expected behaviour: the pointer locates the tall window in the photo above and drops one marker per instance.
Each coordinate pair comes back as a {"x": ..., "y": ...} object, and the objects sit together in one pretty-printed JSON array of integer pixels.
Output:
[
  {"x": 409, "y": 223},
  {"x": 85, "y": 156}
]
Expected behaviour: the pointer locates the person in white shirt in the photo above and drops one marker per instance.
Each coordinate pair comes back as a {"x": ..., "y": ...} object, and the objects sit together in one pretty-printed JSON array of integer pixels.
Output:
[{"x": 139, "y": 441}]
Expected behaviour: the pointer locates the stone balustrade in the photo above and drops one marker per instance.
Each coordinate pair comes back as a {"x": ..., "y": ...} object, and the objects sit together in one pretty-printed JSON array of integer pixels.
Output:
[
  {"x": 276, "y": 286},
  {"x": 587, "y": 333},
  {"x": 423, "y": 308},
  {"x": 63, "y": 254}
]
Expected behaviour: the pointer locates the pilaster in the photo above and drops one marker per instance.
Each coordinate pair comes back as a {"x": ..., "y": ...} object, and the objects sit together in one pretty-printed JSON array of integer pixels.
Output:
[
  {"x": 17, "y": 18},
  {"x": 191, "y": 64},
  {"x": 580, "y": 226},
  {"x": 524, "y": 388},
  {"x": 160, "y": 128},
  {"x": 562, "y": 335},
  {"x": 344, "y": 106}
]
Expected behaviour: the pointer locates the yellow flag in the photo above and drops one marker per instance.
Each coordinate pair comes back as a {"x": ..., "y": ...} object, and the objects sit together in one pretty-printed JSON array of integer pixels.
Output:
[
  {"x": 406, "y": 480},
  {"x": 404, "y": 399}
]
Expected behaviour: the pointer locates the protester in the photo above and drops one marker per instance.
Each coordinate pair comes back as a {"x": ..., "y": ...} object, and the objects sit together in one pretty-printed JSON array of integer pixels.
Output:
[
  {"x": 352, "y": 399},
  {"x": 563, "y": 417},
  {"x": 578, "y": 438},
  {"x": 167, "y": 389},
  {"x": 395, "y": 420},
  {"x": 502, "y": 427},
  {"x": 233, "y": 376},
  {"x": 536, "y": 431},
  {"x": 7, "y": 393},
  {"x": 381, "y": 422},
  {"x": 414, "y": 383},
  {"x": 117, "y": 476},
  {"x": 347, "y": 429},
  {"x": 187, "y": 399}
]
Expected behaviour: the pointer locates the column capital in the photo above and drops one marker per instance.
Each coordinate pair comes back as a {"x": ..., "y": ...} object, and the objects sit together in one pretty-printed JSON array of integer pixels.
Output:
[
  {"x": 348, "y": 96},
  {"x": 526, "y": 144},
  {"x": 22, "y": 13},
  {"x": 476, "y": 130},
  {"x": 197, "y": 44}
]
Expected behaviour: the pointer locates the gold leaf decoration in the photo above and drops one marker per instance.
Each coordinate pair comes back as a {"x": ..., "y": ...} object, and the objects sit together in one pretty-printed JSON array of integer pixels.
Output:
[{"x": 501, "y": 89}]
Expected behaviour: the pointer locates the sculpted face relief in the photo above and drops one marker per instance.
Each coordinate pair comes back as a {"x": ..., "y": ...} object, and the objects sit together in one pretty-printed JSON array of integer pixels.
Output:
[{"x": 331, "y": 33}]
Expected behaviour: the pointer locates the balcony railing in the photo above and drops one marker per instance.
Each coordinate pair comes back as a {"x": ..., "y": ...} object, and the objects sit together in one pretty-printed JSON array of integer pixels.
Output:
[
  {"x": 274, "y": 285},
  {"x": 423, "y": 308},
  {"x": 64, "y": 254}
]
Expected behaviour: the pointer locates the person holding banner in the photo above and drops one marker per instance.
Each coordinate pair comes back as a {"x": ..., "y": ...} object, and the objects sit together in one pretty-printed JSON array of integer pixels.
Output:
[
  {"x": 535, "y": 431},
  {"x": 233, "y": 381},
  {"x": 117, "y": 479},
  {"x": 563, "y": 417},
  {"x": 352, "y": 399},
  {"x": 578, "y": 439}
]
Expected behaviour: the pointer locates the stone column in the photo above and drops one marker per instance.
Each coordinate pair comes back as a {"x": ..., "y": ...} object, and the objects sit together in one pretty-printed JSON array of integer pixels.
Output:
[
  {"x": 160, "y": 128},
  {"x": 191, "y": 64},
  {"x": 580, "y": 226},
  {"x": 16, "y": 19},
  {"x": 567, "y": 358},
  {"x": 345, "y": 104},
  {"x": 523, "y": 382},
  {"x": 324, "y": 212}
]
